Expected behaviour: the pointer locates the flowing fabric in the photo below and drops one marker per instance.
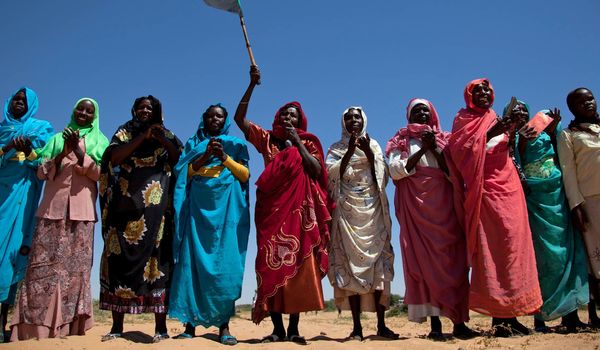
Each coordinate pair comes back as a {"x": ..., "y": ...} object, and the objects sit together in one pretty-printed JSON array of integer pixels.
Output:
[
  {"x": 492, "y": 208},
  {"x": 559, "y": 249},
  {"x": 361, "y": 259},
  {"x": 20, "y": 193},
  {"x": 137, "y": 224},
  {"x": 432, "y": 242},
  {"x": 55, "y": 299},
  {"x": 212, "y": 224},
  {"x": 95, "y": 141},
  {"x": 291, "y": 224}
]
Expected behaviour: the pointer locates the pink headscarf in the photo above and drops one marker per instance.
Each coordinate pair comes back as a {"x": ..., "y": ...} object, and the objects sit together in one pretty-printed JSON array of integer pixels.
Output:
[{"x": 401, "y": 140}]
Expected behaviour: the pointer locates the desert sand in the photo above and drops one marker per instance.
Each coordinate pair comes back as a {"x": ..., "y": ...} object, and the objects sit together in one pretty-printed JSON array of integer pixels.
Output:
[{"x": 323, "y": 330}]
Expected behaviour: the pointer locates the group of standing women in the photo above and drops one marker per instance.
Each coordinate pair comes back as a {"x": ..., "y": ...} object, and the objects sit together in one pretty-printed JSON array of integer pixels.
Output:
[{"x": 488, "y": 197}]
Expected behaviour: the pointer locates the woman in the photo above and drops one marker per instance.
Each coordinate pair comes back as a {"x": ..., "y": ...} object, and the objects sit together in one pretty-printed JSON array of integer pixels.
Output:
[
  {"x": 212, "y": 224},
  {"x": 578, "y": 148},
  {"x": 361, "y": 260},
  {"x": 137, "y": 218},
  {"x": 291, "y": 217},
  {"x": 559, "y": 251},
  {"x": 20, "y": 133},
  {"x": 493, "y": 212},
  {"x": 55, "y": 299},
  {"x": 433, "y": 247}
]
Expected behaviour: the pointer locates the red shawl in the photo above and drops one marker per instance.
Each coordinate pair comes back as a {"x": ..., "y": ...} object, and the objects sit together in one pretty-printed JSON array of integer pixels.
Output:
[
  {"x": 401, "y": 141},
  {"x": 291, "y": 217}
]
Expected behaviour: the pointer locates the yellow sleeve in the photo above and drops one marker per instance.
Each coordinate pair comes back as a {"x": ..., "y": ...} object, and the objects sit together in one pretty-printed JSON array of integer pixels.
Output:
[
  {"x": 1, "y": 152},
  {"x": 32, "y": 156},
  {"x": 238, "y": 170}
]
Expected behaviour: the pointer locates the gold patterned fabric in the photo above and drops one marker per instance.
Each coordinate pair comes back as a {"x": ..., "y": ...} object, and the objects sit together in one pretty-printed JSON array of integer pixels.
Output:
[{"x": 137, "y": 227}]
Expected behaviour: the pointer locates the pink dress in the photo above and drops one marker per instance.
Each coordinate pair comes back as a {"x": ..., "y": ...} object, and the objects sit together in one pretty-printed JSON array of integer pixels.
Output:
[
  {"x": 55, "y": 298},
  {"x": 434, "y": 256},
  {"x": 489, "y": 195}
]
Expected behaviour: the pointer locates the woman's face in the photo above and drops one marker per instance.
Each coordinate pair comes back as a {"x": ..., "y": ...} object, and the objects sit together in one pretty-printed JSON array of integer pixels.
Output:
[
  {"x": 84, "y": 113},
  {"x": 289, "y": 115},
  {"x": 585, "y": 104},
  {"x": 520, "y": 114},
  {"x": 214, "y": 120},
  {"x": 482, "y": 96},
  {"x": 353, "y": 121},
  {"x": 420, "y": 114},
  {"x": 143, "y": 111},
  {"x": 18, "y": 105}
]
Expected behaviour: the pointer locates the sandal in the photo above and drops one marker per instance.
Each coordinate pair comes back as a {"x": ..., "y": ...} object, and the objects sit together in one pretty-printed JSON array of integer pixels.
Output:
[
  {"x": 228, "y": 340},
  {"x": 111, "y": 336},
  {"x": 356, "y": 336},
  {"x": 436, "y": 336},
  {"x": 271, "y": 338},
  {"x": 159, "y": 336},
  {"x": 183, "y": 336},
  {"x": 297, "y": 339},
  {"x": 387, "y": 333}
]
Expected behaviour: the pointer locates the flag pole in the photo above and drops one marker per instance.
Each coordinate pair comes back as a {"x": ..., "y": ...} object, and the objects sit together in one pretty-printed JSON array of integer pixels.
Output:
[{"x": 248, "y": 46}]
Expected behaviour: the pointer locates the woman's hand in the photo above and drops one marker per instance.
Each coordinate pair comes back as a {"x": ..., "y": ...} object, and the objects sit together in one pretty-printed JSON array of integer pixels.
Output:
[
  {"x": 24, "y": 250},
  {"x": 254, "y": 75},
  {"x": 22, "y": 144},
  {"x": 292, "y": 134},
  {"x": 364, "y": 144},
  {"x": 217, "y": 149},
  {"x": 556, "y": 118},
  {"x": 428, "y": 141},
  {"x": 528, "y": 133},
  {"x": 580, "y": 218}
]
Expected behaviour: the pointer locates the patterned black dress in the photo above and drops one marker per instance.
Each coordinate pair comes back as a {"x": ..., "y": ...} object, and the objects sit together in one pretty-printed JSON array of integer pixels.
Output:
[{"x": 137, "y": 225}]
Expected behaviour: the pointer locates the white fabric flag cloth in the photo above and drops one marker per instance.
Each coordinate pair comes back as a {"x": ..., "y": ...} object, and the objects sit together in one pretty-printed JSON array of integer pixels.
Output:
[{"x": 227, "y": 5}]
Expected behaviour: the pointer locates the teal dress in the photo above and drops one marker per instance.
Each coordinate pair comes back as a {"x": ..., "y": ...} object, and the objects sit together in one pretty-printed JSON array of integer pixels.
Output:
[
  {"x": 20, "y": 192},
  {"x": 212, "y": 225},
  {"x": 559, "y": 250}
]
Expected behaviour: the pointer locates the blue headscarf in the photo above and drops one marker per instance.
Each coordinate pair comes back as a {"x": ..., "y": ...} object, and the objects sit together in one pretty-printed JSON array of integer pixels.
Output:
[{"x": 38, "y": 131}]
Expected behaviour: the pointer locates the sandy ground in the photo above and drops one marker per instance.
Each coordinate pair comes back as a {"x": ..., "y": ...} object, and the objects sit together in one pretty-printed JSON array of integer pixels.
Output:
[{"x": 324, "y": 330}]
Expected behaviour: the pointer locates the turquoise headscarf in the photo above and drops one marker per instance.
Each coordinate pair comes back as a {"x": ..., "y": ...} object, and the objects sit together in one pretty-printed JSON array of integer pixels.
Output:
[
  {"x": 559, "y": 251},
  {"x": 212, "y": 224},
  {"x": 38, "y": 131},
  {"x": 95, "y": 141}
]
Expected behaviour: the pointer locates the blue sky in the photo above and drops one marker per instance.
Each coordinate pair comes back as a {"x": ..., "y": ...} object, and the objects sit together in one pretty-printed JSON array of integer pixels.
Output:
[{"x": 326, "y": 54}]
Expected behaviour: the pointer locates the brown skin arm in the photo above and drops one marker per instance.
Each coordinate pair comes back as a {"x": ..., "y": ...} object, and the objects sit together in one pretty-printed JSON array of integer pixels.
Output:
[
  {"x": 348, "y": 155},
  {"x": 214, "y": 147},
  {"x": 310, "y": 163},
  {"x": 364, "y": 143},
  {"x": 122, "y": 152},
  {"x": 500, "y": 127},
  {"x": 71, "y": 138},
  {"x": 427, "y": 144},
  {"x": 22, "y": 144},
  {"x": 242, "y": 108},
  {"x": 158, "y": 132}
]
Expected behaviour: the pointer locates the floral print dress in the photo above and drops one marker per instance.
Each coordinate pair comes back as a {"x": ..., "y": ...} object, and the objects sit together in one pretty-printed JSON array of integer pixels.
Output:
[{"x": 137, "y": 226}]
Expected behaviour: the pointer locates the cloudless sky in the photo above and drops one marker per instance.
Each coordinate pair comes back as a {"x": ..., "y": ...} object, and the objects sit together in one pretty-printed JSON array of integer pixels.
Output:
[{"x": 326, "y": 54}]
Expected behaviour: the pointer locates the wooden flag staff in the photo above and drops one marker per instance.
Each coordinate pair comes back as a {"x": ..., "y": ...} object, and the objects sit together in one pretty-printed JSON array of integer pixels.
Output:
[{"x": 248, "y": 47}]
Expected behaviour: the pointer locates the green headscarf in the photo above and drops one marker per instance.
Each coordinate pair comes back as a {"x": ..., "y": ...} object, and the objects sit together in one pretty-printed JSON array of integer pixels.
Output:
[{"x": 95, "y": 141}]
